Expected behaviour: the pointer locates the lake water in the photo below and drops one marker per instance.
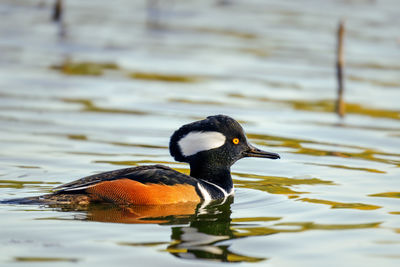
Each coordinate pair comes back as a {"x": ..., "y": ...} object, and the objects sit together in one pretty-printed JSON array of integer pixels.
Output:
[{"x": 107, "y": 87}]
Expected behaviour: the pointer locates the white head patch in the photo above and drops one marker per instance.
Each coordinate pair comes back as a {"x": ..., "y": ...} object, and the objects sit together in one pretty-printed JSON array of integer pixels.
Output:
[{"x": 195, "y": 142}]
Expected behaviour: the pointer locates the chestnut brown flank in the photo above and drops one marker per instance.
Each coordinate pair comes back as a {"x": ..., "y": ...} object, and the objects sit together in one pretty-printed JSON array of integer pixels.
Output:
[{"x": 126, "y": 191}]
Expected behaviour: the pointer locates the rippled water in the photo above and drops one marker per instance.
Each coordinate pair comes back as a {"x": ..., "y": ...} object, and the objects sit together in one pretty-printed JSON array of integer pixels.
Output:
[{"x": 107, "y": 88}]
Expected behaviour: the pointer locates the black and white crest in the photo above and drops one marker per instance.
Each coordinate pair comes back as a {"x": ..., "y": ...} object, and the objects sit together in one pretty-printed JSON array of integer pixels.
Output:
[{"x": 203, "y": 135}]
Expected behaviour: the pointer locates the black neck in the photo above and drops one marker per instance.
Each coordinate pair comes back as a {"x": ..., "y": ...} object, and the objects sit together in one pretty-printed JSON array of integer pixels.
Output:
[{"x": 219, "y": 175}]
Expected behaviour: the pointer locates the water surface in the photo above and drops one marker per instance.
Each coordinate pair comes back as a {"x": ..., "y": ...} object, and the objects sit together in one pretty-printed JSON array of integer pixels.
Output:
[{"x": 107, "y": 87}]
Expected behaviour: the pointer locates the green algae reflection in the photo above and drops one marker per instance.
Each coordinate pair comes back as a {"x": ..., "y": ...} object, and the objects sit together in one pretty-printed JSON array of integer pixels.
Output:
[
  {"x": 299, "y": 146},
  {"x": 23, "y": 184},
  {"x": 87, "y": 68},
  {"x": 152, "y": 76},
  {"x": 295, "y": 227},
  {"x": 84, "y": 68},
  {"x": 275, "y": 185},
  {"x": 90, "y": 106},
  {"x": 341, "y": 205},
  {"x": 281, "y": 185},
  {"x": 44, "y": 259},
  {"x": 326, "y": 105},
  {"x": 347, "y": 167},
  {"x": 387, "y": 194}
]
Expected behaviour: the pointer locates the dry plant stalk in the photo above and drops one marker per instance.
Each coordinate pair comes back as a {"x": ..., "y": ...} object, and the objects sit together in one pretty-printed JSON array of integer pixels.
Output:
[{"x": 340, "y": 104}]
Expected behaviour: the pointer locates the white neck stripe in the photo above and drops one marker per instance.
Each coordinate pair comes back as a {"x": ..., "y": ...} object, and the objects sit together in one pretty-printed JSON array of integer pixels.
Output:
[
  {"x": 204, "y": 192},
  {"x": 220, "y": 188}
]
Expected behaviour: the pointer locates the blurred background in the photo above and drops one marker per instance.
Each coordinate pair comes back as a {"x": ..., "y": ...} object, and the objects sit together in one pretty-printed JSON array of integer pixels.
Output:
[{"x": 90, "y": 86}]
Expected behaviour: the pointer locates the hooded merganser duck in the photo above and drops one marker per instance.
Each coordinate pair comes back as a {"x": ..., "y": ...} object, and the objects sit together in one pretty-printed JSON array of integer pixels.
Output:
[{"x": 211, "y": 146}]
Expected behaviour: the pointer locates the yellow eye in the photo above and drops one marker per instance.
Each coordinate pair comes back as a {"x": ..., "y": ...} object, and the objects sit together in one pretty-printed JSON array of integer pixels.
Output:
[{"x": 235, "y": 141}]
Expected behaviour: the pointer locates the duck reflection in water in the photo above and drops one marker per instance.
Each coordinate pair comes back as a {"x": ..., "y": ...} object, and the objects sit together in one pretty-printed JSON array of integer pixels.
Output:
[{"x": 205, "y": 236}]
